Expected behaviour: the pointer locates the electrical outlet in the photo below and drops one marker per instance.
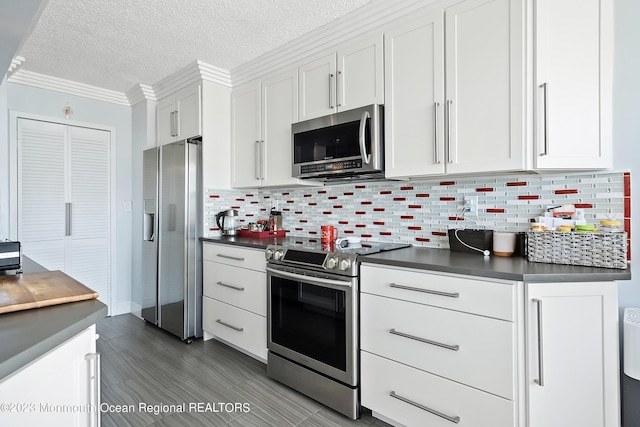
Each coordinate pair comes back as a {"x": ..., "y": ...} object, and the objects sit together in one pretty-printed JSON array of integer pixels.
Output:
[{"x": 471, "y": 205}]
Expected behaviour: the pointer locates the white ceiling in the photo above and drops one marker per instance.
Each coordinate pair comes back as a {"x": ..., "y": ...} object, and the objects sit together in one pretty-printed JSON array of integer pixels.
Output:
[{"x": 116, "y": 44}]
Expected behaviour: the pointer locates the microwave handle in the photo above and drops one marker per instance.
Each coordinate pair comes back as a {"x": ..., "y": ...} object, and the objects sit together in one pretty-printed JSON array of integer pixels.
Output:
[{"x": 366, "y": 158}]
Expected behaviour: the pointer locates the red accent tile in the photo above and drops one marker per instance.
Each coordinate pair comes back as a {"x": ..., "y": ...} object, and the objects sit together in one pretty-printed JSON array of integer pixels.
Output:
[
  {"x": 254, "y": 203},
  {"x": 406, "y": 188},
  {"x": 415, "y": 206},
  {"x": 627, "y": 226},
  {"x": 299, "y": 228},
  {"x": 348, "y": 193},
  {"x": 361, "y": 226},
  {"x": 266, "y": 197},
  {"x": 249, "y": 214},
  {"x": 516, "y": 184},
  {"x": 332, "y": 197},
  {"x": 248, "y": 195},
  {"x": 360, "y": 187},
  {"x": 447, "y": 199},
  {"x": 307, "y": 195},
  {"x": 528, "y": 197},
  {"x": 627, "y": 207},
  {"x": 348, "y": 231},
  {"x": 422, "y": 239},
  {"x": 239, "y": 199},
  {"x": 286, "y": 193},
  {"x": 414, "y": 227},
  {"x": 532, "y": 220},
  {"x": 343, "y": 222},
  {"x": 422, "y": 195},
  {"x": 494, "y": 210},
  {"x": 298, "y": 212},
  {"x": 378, "y": 222},
  {"x": 627, "y": 184},
  {"x": 322, "y": 191},
  {"x": 326, "y": 212},
  {"x": 337, "y": 206},
  {"x": 313, "y": 232},
  {"x": 399, "y": 199},
  {"x": 406, "y": 217},
  {"x": 386, "y": 192},
  {"x": 571, "y": 191},
  {"x": 447, "y": 183},
  {"x": 303, "y": 221},
  {"x": 438, "y": 233},
  {"x": 456, "y": 218},
  {"x": 235, "y": 207},
  {"x": 385, "y": 233},
  {"x": 366, "y": 203},
  {"x": 360, "y": 213},
  {"x": 583, "y": 205},
  {"x": 214, "y": 228},
  {"x": 312, "y": 240},
  {"x": 366, "y": 236},
  {"x": 484, "y": 190},
  {"x": 378, "y": 209},
  {"x": 313, "y": 204},
  {"x": 286, "y": 210},
  {"x": 290, "y": 201},
  {"x": 263, "y": 209},
  {"x": 214, "y": 196}
]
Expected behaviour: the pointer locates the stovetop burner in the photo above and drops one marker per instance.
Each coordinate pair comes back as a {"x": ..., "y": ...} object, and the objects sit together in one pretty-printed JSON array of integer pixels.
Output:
[{"x": 364, "y": 248}]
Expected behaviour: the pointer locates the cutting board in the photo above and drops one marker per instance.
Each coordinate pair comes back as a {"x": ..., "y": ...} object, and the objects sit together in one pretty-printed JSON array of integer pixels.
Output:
[{"x": 35, "y": 290}]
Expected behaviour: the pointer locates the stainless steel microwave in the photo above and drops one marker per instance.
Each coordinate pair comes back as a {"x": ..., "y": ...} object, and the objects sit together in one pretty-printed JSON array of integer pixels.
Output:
[{"x": 345, "y": 145}]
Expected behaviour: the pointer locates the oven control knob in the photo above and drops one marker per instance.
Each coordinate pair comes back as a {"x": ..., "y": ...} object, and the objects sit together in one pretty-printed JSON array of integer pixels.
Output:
[
  {"x": 345, "y": 264},
  {"x": 332, "y": 262},
  {"x": 278, "y": 255},
  {"x": 269, "y": 253}
]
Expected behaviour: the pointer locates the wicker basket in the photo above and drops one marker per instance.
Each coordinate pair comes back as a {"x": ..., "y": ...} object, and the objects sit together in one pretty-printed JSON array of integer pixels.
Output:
[{"x": 607, "y": 250}]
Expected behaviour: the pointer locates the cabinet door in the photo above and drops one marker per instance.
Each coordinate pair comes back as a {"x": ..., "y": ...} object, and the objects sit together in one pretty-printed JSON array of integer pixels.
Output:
[
  {"x": 245, "y": 136},
  {"x": 317, "y": 88},
  {"x": 360, "y": 78},
  {"x": 573, "y": 83},
  {"x": 188, "y": 104},
  {"x": 572, "y": 360},
  {"x": 165, "y": 110},
  {"x": 279, "y": 111},
  {"x": 484, "y": 86},
  {"x": 414, "y": 89}
]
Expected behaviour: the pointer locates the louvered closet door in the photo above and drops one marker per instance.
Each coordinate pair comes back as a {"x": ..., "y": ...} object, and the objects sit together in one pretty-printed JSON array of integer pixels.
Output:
[{"x": 64, "y": 173}]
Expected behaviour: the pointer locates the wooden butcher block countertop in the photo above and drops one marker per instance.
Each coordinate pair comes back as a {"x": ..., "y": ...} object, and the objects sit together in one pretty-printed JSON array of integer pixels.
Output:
[{"x": 35, "y": 290}]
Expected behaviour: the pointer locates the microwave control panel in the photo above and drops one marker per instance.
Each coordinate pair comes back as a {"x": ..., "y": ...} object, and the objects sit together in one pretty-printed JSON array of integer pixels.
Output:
[{"x": 329, "y": 167}]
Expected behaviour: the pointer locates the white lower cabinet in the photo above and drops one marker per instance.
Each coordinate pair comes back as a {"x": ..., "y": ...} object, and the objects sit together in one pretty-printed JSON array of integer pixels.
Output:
[
  {"x": 234, "y": 303},
  {"x": 59, "y": 389}
]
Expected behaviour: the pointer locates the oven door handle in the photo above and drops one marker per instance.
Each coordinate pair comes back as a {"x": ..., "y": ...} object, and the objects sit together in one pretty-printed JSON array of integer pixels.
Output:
[{"x": 311, "y": 279}]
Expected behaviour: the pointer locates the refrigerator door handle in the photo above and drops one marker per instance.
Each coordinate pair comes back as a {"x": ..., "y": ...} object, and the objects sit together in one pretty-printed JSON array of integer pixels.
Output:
[{"x": 149, "y": 227}]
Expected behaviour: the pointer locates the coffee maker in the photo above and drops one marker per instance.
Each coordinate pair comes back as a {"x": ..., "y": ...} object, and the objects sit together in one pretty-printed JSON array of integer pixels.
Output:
[{"x": 228, "y": 222}]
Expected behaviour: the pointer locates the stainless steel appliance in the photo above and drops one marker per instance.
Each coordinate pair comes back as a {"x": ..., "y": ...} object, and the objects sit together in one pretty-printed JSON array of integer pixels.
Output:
[
  {"x": 228, "y": 222},
  {"x": 345, "y": 145},
  {"x": 312, "y": 319},
  {"x": 171, "y": 252}
]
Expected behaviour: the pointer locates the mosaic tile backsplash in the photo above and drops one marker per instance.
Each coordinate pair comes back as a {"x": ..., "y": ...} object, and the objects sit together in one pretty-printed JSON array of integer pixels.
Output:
[{"x": 421, "y": 212}]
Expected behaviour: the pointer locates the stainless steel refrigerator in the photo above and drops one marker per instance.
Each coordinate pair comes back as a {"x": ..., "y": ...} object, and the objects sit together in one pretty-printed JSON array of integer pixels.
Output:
[{"x": 171, "y": 250}]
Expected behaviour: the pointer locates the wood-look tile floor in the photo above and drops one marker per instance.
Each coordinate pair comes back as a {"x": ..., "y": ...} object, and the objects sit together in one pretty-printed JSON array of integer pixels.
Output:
[{"x": 143, "y": 365}]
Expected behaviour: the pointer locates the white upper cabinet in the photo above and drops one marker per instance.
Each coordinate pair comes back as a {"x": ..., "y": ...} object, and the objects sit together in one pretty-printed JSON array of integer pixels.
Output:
[
  {"x": 178, "y": 116},
  {"x": 465, "y": 114},
  {"x": 350, "y": 78},
  {"x": 261, "y": 116},
  {"x": 573, "y": 83}
]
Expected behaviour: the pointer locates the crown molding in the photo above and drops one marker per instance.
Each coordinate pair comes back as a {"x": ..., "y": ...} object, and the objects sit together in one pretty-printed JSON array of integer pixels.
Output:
[
  {"x": 15, "y": 64},
  {"x": 191, "y": 74},
  {"x": 139, "y": 93}
]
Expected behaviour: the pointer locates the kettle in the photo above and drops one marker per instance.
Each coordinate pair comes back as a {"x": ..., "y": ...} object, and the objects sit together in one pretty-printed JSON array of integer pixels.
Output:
[{"x": 228, "y": 222}]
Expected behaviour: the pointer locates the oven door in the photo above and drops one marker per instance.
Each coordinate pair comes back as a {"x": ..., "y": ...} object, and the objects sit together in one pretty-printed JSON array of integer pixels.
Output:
[{"x": 313, "y": 321}]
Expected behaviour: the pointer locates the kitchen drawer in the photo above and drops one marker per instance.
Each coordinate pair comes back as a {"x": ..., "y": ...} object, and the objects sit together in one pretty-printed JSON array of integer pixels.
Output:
[
  {"x": 252, "y": 337},
  {"x": 485, "y": 357},
  {"x": 482, "y": 297},
  {"x": 234, "y": 255},
  {"x": 240, "y": 287},
  {"x": 475, "y": 408}
]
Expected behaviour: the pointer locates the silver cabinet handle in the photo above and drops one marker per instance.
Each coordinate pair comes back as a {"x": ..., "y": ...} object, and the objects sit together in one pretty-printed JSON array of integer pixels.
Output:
[
  {"x": 95, "y": 378},
  {"x": 226, "y": 285},
  {"x": 235, "y": 328},
  {"x": 235, "y": 258},
  {"x": 449, "y": 159},
  {"x": 338, "y": 96},
  {"x": 176, "y": 118},
  {"x": 424, "y": 340},
  {"x": 68, "y": 214},
  {"x": 330, "y": 91},
  {"x": 262, "y": 157},
  {"x": 172, "y": 123},
  {"x": 435, "y": 133},
  {"x": 426, "y": 291},
  {"x": 366, "y": 158},
  {"x": 540, "y": 380},
  {"x": 257, "y": 160},
  {"x": 545, "y": 91},
  {"x": 455, "y": 420}
]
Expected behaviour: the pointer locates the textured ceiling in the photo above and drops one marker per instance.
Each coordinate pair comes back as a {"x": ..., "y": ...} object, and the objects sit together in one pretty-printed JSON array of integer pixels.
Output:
[{"x": 116, "y": 44}]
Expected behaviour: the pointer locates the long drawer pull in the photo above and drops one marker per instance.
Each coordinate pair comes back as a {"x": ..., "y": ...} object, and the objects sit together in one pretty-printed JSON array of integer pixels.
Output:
[
  {"x": 424, "y": 340},
  {"x": 455, "y": 420},
  {"x": 235, "y": 258},
  {"x": 540, "y": 380},
  {"x": 426, "y": 291},
  {"x": 229, "y": 326},
  {"x": 226, "y": 285}
]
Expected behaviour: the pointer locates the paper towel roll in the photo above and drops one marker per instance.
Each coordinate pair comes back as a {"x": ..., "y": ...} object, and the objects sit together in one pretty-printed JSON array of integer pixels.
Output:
[{"x": 631, "y": 337}]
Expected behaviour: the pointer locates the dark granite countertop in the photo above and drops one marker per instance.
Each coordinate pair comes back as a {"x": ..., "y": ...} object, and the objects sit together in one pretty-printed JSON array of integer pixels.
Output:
[
  {"x": 250, "y": 242},
  {"x": 27, "y": 335},
  {"x": 507, "y": 268}
]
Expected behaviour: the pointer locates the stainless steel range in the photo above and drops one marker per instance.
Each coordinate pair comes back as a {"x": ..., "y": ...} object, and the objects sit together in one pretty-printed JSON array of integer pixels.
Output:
[{"x": 313, "y": 319}]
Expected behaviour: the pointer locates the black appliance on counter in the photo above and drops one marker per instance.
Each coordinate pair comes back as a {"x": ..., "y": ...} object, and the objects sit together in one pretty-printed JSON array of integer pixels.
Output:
[
  {"x": 313, "y": 318},
  {"x": 10, "y": 256}
]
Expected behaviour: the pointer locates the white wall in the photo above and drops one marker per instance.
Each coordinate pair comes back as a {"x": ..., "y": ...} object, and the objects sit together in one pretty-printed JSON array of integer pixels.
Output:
[
  {"x": 27, "y": 99},
  {"x": 626, "y": 127}
]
